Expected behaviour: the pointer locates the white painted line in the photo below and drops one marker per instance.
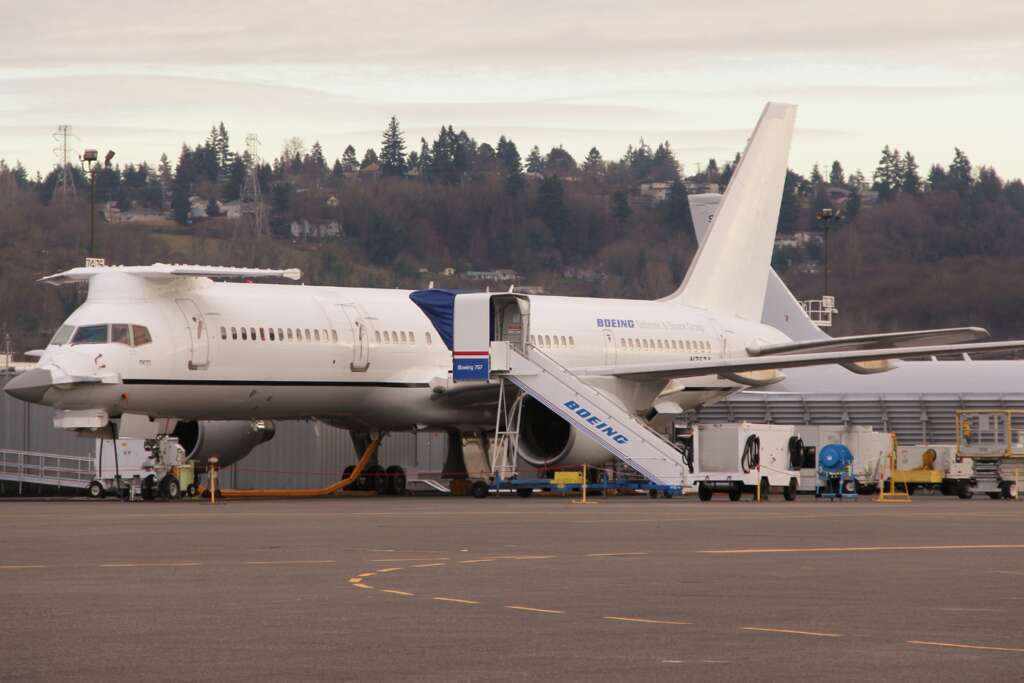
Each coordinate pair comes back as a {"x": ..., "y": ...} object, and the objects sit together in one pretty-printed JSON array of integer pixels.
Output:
[
  {"x": 151, "y": 564},
  {"x": 429, "y": 564},
  {"x": 268, "y": 562},
  {"x": 410, "y": 559},
  {"x": 394, "y": 592},
  {"x": 966, "y": 647},
  {"x": 23, "y": 566},
  {"x": 388, "y": 570},
  {"x": 474, "y": 561},
  {"x": 458, "y": 600},
  {"x": 366, "y": 574},
  {"x": 362, "y": 585},
  {"x": 851, "y": 549},
  {"x": 792, "y": 632},
  {"x": 649, "y": 621},
  {"x": 615, "y": 554},
  {"x": 535, "y": 609}
]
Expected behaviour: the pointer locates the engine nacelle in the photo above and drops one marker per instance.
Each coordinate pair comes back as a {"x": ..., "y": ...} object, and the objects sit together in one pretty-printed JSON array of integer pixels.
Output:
[
  {"x": 229, "y": 440},
  {"x": 546, "y": 440}
]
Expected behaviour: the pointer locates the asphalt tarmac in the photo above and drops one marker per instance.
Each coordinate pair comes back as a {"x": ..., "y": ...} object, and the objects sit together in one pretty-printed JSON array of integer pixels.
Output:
[{"x": 458, "y": 589}]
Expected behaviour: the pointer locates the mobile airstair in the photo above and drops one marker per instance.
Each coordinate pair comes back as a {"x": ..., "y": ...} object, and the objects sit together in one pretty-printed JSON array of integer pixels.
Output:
[
  {"x": 48, "y": 469},
  {"x": 490, "y": 343}
]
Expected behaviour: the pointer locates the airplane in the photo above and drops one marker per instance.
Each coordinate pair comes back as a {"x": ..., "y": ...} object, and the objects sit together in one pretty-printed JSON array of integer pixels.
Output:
[{"x": 178, "y": 343}]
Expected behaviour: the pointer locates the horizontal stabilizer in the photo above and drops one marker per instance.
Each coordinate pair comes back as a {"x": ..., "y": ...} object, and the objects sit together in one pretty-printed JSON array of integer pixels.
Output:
[
  {"x": 725, "y": 366},
  {"x": 166, "y": 271},
  {"x": 952, "y": 335}
]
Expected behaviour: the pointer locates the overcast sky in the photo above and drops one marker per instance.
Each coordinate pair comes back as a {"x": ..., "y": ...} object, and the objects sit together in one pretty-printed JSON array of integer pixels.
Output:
[{"x": 142, "y": 77}]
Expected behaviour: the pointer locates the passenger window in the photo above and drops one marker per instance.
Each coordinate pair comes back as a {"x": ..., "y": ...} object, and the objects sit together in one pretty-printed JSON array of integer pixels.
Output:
[
  {"x": 270, "y": 333},
  {"x": 234, "y": 333},
  {"x": 263, "y": 336},
  {"x": 412, "y": 338},
  {"x": 572, "y": 342},
  {"x": 630, "y": 342},
  {"x": 659, "y": 345},
  {"x": 62, "y": 335},
  {"x": 252, "y": 333},
  {"x": 334, "y": 336},
  {"x": 316, "y": 335},
  {"x": 377, "y": 336},
  {"x": 308, "y": 337},
  {"x": 280, "y": 334},
  {"x": 119, "y": 335},
  {"x": 244, "y": 334},
  {"x": 564, "y": 343},
  {"x": 429, "y": 342},
  {"x": 223, "y": 332},
  {"x": 622, "y": 343},
  {"x": 90, "y": 334}
]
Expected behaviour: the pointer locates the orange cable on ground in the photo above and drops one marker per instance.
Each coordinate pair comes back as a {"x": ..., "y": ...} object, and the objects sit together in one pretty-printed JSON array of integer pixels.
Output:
[{"x": 308, "y": 493}]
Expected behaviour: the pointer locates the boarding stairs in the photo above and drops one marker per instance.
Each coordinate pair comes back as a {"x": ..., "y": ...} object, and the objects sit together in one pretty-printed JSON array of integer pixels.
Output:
[{"x": 590, "y": 410}]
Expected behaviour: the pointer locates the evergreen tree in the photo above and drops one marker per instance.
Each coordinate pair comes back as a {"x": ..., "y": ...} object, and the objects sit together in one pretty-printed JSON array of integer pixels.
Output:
[
  {"x": 621, "y": 210},
  {"x": 560, "y": 162},
  {"x": 551, "y": 204},
  {"x": 712, "y": 172},
  {"x": 675, "y": 209},
  {"x": 816, "y": 177},
  {"x": 664, "y": 166},
  {"x": 728, "y": 170},
  {"x": 534, "y": 161},
  {"x": 349, "y": 161},
  {"x": 960, "y": 171},
  {"x": 888, "y": 178},
  {"x": 338, "y": 170},
  {"x": 593, "y": 164},
  {"x": 413, "y": 162},
  {"x": 911, "y": 181},
  {"x": 511, "y": 163},
  {"x": 236, "y": 179},
  {"x": 789, "y": 210},
  {"x": 937, "y": 178},
  {"x": 392, "y": 150},
  {"x": 316, "y": 160},
  {"x": 852, "y": 206},
  {"x": 836, "y": 177},
  {"x": 369, "y": 159},
  {"x": 426, "y": 158}
]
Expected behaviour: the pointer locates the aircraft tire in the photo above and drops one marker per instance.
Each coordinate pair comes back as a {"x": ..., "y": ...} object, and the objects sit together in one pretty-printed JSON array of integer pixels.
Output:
[
  {"x": 479, "y": 489},
  {"x": 396, "y": 480},
  {"x": 95, "y": 490},
  {"x": 704, "y": 492},
  {"x": 736, "y": 492},
  {"x": 170, "y": 488},
  {"x": 765, "y": 488},
  {"x": 789, "y": 493}
]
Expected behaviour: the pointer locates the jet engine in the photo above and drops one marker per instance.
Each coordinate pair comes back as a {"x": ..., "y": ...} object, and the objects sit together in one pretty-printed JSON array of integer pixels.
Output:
[
  {"x": 546, "y": 440},
  {"x": 229, "y": 440}
]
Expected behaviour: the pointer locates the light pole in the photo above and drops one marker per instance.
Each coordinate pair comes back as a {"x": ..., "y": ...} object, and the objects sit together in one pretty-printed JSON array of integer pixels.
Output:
[
  {"x": 825, "y": 216},
  {"x": 90, "y": 157}
]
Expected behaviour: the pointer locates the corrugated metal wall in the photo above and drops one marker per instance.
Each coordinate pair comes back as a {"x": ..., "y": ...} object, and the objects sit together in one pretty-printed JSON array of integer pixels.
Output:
[{"x": 301, "y": 455}]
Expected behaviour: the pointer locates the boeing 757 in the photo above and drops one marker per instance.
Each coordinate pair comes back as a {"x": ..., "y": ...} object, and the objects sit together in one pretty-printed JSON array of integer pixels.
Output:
[{"x": 179, "y": 342}]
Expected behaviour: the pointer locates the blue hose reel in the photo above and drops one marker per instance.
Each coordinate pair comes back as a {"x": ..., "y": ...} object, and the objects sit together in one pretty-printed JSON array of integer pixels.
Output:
[{"x": 835, "y": 473}]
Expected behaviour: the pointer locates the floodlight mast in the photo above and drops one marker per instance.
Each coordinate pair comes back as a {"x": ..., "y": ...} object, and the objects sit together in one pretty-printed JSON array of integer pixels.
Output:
[{"x": 89, "y": 160}]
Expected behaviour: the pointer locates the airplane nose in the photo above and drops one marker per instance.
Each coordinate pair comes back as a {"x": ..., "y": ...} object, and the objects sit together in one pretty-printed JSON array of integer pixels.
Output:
[{"x": 30, "y": 385}]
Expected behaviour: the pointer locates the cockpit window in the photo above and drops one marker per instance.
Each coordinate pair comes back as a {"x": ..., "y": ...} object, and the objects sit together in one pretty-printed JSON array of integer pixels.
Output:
[
  {"x": 90, "y": 334},
  {"x": 62, "y": 335},
  {"x": 119, "y": 335},
  {"x": 140, "y": 335}
]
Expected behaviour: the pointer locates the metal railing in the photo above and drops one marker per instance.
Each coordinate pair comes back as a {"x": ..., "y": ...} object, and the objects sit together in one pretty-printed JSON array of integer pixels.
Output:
[{"x": 47, "y": 468}]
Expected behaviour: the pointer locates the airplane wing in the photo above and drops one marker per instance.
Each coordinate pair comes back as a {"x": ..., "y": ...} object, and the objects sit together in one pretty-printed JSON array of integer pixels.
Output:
[
  {"x": 679, "y": 369},
  {"x": 952, "y": 335},
  {"x": 166, "y": 271}
]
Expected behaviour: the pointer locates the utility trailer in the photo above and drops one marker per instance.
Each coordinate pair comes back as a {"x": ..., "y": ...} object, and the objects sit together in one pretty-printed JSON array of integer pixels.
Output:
[
  {"x": 741, "y": 457},
  {"x": 144, "y": 468},
  {"x": 870, "y": 450},
  {"x": 933, "y": 466}
]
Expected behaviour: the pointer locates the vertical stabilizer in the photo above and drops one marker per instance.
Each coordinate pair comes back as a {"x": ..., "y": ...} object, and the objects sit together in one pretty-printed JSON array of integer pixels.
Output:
[{"x": 729, "y": 275}]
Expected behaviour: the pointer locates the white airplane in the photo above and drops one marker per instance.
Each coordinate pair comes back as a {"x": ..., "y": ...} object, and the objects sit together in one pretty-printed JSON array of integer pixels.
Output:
[{"x": 171, "y": 341}]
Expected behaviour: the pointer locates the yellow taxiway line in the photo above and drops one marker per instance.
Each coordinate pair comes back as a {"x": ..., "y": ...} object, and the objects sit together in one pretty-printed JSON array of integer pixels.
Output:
[{"x": 966, "y": 647}]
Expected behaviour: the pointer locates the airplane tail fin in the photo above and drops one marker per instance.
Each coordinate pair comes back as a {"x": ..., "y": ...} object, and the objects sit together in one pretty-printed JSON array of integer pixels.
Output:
[{"x": 729, "y": 275}]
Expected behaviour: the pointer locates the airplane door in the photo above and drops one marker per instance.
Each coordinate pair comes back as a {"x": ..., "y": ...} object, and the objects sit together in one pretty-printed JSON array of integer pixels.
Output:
[
  {"x": 360, "y": 338},
  {"x": 198, "y": 335},
  {"x": 609, "y": 348}
]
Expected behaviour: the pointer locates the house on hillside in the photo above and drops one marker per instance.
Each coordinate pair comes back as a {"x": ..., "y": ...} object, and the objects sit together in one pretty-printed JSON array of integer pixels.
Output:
[
  {"x": 304, "y": 229},
  {"x": 798, "y": 239},
  {"x": 655, "y": 192}
]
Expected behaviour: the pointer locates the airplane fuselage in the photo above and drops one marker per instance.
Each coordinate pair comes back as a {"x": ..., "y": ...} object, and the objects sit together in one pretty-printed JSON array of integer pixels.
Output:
[{"x": 360, "y": 358}]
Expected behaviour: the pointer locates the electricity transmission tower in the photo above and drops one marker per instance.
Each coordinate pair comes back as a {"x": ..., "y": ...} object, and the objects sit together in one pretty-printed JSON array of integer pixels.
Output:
[
  {"x": 254, "y": 221},
  {"x": 65, "y": 187}
]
